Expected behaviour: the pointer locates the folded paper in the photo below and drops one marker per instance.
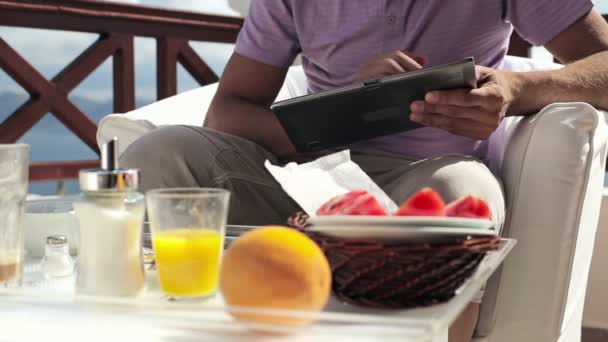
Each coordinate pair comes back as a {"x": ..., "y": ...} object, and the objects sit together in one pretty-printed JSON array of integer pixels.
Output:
[{"x": 314, "y": 183}]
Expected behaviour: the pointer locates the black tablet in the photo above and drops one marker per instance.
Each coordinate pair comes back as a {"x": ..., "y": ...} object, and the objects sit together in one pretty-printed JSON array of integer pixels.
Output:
[{"x": 366, "y": 110}]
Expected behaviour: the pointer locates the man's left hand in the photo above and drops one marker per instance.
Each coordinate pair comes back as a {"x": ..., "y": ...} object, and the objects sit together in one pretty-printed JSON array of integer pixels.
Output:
[{"x": 473, "y": 113}]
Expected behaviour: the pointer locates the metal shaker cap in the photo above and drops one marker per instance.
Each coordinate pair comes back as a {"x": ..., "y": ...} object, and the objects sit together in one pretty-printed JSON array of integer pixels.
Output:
[
  {"x": 110, "y": 178},
  {"x": 56, "y": 240}
]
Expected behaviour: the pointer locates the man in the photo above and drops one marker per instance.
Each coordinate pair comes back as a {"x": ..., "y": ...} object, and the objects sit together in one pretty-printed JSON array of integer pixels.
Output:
[{"x": 342, "y": 41}]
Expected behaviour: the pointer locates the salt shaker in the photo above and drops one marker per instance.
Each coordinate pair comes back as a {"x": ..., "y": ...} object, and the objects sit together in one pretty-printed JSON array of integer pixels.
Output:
[
  {"x": 110, "y": 213},
  {"x": 57, "y": 261}
]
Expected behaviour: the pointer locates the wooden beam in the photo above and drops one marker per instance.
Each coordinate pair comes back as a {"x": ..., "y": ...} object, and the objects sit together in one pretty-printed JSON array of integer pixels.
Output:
[
  {"x": 33, "y": 110},
  {"x": 196, "y": 66},
  {"x": 167, "y": 50},
  {"x": 52, "y": 171},
  {"x": 24, "y": 118},
  {"x": 21, "y": 71},
  {"x": 107, "y": 17},
  {"x": 34, "y": 83},
  {"x": 75, "y": 120},
  {"x": 53, "y": 95},
  {"x": 86, "y": 63},
  {"x": 111, "y": 8},
  {"x": 124, "y": 75}
]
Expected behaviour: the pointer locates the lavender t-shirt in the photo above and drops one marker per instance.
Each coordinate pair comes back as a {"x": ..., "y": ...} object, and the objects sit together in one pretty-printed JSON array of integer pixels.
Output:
[{"x": 336, "y": 37}]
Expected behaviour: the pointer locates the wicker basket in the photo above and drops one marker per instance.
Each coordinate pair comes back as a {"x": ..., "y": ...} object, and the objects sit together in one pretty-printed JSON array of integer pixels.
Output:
[{"x": 401, "y": 276}]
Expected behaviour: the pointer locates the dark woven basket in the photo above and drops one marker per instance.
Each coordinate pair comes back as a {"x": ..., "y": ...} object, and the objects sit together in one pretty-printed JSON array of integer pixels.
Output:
[{"x": 400, "y": 276}]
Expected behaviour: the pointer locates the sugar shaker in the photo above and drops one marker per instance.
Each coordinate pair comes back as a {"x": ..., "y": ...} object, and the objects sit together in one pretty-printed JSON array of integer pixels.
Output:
[{"x": 111, "y": 214}]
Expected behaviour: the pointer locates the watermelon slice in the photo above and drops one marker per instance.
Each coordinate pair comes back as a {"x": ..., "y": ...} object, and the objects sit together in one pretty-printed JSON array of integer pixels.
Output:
[
  {"x": 426, "y": 202},
  {"x": 357, "y": 202},
  {"x": 469, "y": 206}
]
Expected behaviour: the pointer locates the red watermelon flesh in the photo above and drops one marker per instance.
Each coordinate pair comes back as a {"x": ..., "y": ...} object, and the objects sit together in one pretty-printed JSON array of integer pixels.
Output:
[
  {"x": 426, "y": 202},
  {"x": 469, "y": 206},
  {"x": 357, "y": 202}
]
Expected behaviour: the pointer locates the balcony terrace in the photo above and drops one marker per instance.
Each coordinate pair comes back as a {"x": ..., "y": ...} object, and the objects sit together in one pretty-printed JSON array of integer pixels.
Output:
[{"x": 117, "y": 26}]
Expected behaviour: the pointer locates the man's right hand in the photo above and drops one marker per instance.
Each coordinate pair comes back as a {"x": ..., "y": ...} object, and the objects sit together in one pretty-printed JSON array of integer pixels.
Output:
[{"x": 388, "y": 64}]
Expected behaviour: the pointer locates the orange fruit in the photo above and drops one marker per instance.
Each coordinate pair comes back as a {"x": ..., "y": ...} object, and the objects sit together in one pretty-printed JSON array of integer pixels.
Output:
[{"x": 275, "y": 267}]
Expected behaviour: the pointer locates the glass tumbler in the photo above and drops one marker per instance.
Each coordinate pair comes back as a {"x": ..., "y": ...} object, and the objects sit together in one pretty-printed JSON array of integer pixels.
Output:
[
  {"x": 188, "y": 227},
  {"x": 14, "y": 162}
]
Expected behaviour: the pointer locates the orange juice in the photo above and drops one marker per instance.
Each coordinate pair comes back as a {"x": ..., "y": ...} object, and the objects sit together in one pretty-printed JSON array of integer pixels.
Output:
[{"x": 188, "y": 261}]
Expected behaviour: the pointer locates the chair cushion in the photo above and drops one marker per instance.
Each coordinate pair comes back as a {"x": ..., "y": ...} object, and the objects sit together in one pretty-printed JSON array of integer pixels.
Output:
[{"x": 187, "y": 108}]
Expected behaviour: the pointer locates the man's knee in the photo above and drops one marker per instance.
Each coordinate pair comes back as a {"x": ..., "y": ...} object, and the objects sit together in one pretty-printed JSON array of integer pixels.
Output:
[
  {"x": 158, "y": 148},
  {"x": 172, "y": 156},
  {"x": 457, "y": 176},
  {"x": 194, "y": 156}
]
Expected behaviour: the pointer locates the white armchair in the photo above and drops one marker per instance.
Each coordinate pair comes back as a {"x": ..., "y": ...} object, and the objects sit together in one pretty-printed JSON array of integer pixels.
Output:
[
  {"x": 552, "y": 165},
  {"x": 553, "y": 173}
]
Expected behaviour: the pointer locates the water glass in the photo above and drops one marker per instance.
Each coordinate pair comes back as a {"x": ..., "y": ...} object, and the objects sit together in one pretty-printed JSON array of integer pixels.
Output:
[
  {"x": 14, "y": 162},
  {"x": 188, "y": 227}
]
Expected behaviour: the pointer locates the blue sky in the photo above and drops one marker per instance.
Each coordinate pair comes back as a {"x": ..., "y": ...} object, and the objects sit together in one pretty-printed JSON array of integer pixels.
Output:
[{"x": 602, "y": 5}]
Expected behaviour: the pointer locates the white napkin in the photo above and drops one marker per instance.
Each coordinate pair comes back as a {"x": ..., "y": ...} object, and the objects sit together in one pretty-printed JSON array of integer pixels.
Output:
[{"x": 312, "y": 184}]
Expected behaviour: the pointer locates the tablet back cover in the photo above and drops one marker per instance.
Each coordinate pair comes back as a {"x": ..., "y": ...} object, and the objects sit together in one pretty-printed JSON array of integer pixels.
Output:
[{"x": 366, "y": 110}]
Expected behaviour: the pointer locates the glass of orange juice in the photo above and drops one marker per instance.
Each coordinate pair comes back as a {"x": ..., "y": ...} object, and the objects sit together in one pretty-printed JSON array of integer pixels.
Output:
[{"x": 188, "y": 227}]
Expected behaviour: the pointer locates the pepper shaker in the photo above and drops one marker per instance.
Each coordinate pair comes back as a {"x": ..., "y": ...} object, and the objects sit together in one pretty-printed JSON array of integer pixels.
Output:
[
  {"x": 57, "y": 261},
  {"x": 111, "y": 214}
]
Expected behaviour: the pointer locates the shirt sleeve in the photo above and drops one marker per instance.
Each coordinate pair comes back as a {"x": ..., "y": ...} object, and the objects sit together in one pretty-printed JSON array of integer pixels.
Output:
[
  {"x": 268, "y": 34},
  {"x": 539, "y": 21}
]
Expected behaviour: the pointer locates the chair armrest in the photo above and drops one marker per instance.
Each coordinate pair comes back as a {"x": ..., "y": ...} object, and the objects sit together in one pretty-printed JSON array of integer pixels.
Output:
[{"x": 553, "y": 172}]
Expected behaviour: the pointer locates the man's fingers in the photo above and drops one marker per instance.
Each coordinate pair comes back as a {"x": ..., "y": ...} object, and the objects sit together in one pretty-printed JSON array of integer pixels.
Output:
[
  {"x": 488, "y": 97},
  {"x": 387, "y": 67},
  {"x": 492, "y": 97},
  {"x": 419, "y": 59},
  {"x": 457, "y": 97},
  {"x": 405, "y": 61},
  {"x": 391, "y": 67},
  {"x": 434, "y": 120},
  {"x": 479, "y": 114},
  {"x": 465, "y": 127},
  {"x": 388, "y": 64}
]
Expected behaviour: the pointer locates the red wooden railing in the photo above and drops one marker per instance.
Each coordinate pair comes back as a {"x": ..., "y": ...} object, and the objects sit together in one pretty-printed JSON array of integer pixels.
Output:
[{"x": 117, "y": 25}]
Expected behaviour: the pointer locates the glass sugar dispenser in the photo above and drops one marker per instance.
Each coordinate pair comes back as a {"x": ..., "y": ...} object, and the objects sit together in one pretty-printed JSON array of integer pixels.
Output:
[{"x": 111, "y": 214}]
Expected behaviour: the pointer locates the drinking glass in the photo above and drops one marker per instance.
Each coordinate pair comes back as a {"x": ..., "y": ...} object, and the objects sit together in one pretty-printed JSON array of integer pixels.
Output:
[
  {"x": 14, "y": 161},
  {"x": 188, "y": 226}
]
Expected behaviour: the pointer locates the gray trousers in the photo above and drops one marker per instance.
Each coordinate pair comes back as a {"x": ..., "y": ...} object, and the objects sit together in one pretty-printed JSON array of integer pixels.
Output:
[{"x": 187, "y": 156}]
